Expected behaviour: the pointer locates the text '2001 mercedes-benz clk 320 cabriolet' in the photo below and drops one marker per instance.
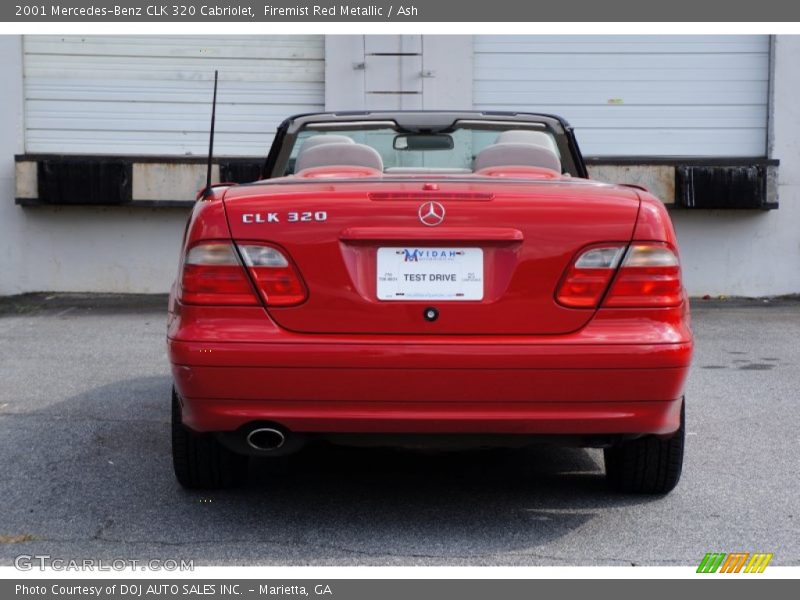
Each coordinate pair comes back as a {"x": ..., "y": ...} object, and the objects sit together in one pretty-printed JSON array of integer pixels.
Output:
[{"x": 428, "y": 278}]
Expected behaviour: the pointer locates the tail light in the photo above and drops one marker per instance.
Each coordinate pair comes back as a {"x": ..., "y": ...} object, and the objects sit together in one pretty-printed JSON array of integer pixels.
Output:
[
  {"x": 646, "y": 275},
  {"x": 214, "y": 274},
  {"x": 588, "y": 276},
  {"x": 650, "y": 275},
  {"x": 275, "y": 277}
]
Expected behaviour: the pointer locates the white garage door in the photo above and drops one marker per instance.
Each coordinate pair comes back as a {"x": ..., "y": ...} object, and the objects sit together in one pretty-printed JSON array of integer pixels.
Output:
[
  {"x": 635, "y": 95},
  {"x": 152, "y": 94}
]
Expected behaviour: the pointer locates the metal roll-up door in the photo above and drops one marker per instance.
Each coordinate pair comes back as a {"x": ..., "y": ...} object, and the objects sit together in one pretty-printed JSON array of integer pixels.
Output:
[
  {"x": 151, "y": 95},
  {"x": 635, "y": 95}
]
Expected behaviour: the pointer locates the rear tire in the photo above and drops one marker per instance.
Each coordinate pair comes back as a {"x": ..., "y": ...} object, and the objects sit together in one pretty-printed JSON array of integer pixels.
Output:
[
  {"x": 199, "y": 460},
  {"x": 647, "y": 465}
]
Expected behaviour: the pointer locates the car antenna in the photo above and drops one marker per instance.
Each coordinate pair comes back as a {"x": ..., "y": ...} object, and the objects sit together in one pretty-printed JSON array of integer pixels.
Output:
[{"x": 207, "y": 191}]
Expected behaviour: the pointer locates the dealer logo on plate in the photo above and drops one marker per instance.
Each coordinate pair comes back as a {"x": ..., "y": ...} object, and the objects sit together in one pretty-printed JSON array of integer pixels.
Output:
[{"x": 423, "y": 254}]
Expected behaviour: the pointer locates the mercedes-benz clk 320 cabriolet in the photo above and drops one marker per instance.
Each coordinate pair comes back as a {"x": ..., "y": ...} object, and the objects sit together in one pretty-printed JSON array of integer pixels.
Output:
[{"x": 428, "y": 279}]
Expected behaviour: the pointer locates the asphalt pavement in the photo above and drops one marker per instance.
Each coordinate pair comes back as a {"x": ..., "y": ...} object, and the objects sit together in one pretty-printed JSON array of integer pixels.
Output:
[{"x": 86, "y": 470}]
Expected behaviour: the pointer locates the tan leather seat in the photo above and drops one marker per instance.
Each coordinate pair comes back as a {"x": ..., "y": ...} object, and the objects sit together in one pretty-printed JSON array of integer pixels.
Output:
[
  {"x": 339, "y": 154},
  {"x": 517, "y": 155},
  {"x": 525, "y": 136},
  {"x": 316, "y": 140}
]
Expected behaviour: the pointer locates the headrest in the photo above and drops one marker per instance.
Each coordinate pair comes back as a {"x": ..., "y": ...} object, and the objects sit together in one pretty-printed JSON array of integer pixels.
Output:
[
  {"x": 525, "y": 136},
  {"x": 516, "y": 155},
  {"x": 316, "y": 140},
  {"x": 339, "y": 154}
]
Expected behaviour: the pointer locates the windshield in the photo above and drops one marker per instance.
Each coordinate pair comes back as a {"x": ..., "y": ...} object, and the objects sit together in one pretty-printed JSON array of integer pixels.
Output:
[{"x": 451, "y": 151}]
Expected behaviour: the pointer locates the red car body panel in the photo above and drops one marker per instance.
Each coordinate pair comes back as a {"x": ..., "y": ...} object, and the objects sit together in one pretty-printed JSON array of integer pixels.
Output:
[
  {"x": 527, "y": 238},
  {"x": 514, "y": 362}
]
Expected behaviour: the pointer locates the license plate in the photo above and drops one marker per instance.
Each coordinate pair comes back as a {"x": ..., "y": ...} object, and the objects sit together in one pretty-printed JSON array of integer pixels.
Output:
[{"x": 430, "y": 273}]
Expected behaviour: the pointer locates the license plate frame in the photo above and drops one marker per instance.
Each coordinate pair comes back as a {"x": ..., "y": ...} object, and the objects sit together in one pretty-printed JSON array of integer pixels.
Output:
[{"x": 413, "y": 273}]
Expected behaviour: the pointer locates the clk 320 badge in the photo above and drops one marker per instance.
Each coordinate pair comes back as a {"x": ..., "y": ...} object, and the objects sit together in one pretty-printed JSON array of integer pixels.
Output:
[{"x": 290, "y": 217}]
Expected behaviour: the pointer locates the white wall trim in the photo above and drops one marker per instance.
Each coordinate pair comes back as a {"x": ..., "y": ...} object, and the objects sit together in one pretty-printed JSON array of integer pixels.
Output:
[
  {"x": 344, "y": 83},
  {"x": 447, "y": 61},
  {"x": 12, "y": 141}
]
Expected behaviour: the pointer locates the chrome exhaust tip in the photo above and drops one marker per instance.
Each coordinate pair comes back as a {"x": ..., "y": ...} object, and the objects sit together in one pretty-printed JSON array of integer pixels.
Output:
[{"x": 265, "y": 439}]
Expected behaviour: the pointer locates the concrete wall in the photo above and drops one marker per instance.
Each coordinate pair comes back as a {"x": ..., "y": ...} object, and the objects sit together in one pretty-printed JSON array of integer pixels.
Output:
[
  {"x": 751, "y": 253},
  {"x": 74, "y": 249},
  {"x": 135, "y": 249},
  {"x": 11, "y": 142}
]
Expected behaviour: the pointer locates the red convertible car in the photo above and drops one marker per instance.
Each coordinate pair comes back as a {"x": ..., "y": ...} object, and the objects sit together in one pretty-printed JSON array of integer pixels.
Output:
[{"x": 428, "y": 278}]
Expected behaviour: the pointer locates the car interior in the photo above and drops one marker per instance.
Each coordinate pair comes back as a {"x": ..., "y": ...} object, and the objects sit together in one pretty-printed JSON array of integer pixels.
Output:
[{"x": 512, "y": 148}]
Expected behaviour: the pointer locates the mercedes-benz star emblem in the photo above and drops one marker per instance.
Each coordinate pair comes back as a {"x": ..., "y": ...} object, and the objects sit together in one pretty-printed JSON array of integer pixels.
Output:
[{"x": 431, "y": 214}]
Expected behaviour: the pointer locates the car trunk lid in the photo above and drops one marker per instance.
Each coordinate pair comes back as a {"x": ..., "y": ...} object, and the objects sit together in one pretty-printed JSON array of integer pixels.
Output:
[{"x": 446, "y": 257}]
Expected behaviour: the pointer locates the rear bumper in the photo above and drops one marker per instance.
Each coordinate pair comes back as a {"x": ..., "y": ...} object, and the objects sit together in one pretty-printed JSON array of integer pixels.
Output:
[
  {"x": 351, "y": 384},
  {"x": 530, "y": 418}
]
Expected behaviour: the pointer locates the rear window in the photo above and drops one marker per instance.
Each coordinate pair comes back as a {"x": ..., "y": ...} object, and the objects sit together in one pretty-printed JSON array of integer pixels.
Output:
[{"x": 451, "y": 151}]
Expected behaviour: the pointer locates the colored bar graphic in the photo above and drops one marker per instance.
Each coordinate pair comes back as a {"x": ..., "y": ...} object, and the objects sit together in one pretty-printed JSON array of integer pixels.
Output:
[
  {"x": 758, "y": 563},
  {"x": 734, "y": 562},
  {"x": 711, "y": 562}
]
